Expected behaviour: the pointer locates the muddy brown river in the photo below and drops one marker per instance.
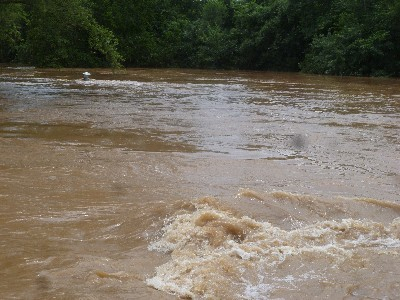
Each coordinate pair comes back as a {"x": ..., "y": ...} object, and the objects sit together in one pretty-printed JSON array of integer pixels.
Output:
[{"x": 170, "y": 183}]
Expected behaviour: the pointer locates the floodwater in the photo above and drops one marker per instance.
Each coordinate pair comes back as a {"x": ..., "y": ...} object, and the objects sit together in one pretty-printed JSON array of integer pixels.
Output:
[{"x": 160, "y": 184}]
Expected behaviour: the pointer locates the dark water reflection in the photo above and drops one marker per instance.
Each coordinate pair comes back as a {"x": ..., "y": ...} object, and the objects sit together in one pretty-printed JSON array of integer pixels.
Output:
[
  {"x": 85, "y": 134},
  {"x": 89, "y": 169}
]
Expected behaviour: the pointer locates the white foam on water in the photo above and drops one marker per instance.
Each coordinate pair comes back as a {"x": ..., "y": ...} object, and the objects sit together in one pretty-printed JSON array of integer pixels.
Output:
[
  {"x": 259, "y": 291},
  {"x": 217, "y": 254}
]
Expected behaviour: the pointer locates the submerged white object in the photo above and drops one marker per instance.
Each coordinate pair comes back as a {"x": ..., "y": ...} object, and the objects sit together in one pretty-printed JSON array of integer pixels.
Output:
[{"x": 86, "y": 75}]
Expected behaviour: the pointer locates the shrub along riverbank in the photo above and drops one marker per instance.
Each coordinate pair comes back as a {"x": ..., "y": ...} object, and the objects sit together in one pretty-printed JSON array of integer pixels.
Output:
[{"x": 337, "y": 37}]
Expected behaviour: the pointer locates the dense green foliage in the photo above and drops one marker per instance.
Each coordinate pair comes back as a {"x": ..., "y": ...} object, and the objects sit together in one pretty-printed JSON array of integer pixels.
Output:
[{"x": 339, "y": 37}]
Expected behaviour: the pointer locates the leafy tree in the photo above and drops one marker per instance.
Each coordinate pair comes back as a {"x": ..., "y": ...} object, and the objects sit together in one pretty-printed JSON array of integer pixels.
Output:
[
  {"x": 139, "y": 26},
  {"x": 179, "y": 43},
  {"x": 339, "y": 37},
  {"x": 358, "y": 41},
  {"x": 215, "y": 47},
  {"x": 55, "y": 33},
  {"x": 66, "y": 34},
  {"x": 261, "y": 29},
  {"x": 12, "y": 20}
]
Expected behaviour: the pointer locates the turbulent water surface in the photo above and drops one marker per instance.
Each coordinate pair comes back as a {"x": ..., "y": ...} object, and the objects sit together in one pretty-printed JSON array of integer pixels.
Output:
[{"x": 160, "y": 184}]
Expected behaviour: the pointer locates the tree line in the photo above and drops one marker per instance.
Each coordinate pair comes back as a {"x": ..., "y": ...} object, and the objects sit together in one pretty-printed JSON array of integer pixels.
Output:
[{"x": 336, "y": 37}]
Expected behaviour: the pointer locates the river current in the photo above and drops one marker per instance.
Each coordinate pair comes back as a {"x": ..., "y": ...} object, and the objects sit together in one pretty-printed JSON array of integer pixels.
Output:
[{"x": 168, "y": 183}]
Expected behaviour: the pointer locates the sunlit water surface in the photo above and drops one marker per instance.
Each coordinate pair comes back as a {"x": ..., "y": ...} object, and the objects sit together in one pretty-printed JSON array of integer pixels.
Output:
[{"x": 157, "y": 184}]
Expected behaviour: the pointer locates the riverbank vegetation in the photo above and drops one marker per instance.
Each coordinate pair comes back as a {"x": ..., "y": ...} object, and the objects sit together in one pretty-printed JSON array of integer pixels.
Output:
[{"x": 337, "y": 37}]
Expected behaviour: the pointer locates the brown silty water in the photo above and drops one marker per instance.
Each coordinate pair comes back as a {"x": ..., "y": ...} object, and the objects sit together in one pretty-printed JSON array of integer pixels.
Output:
[{"x": 160, "y": 184}]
